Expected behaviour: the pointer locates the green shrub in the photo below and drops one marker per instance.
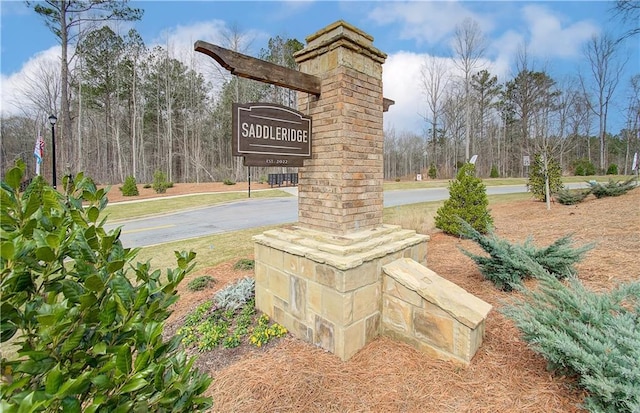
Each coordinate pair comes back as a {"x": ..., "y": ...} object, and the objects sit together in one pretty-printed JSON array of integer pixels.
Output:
[
  {"x": 228, "y": 182},
  {"x": 200, "y": 283},
  {"x": 612, "y": 169},
  {"x": 612, "y": 188},
  {"x": 244, "y": 264},
  {"x": 129, "y": 188},
  {"x": 536, "y": 181},
  {"x": 87, "y": 321},
  {"x": 494, "y": 172},
  {"x": 433, "y": 172},
  {"x": 594, "y": 337},
  {"x": 571, "y": 196},
  {"x": 508, "y": 264},
  {"x": 146, "y": 186},
  {"x": 160, "y": 183},
  {"x": 467, "y": 201},
  {"x": 584, "y": 167}
]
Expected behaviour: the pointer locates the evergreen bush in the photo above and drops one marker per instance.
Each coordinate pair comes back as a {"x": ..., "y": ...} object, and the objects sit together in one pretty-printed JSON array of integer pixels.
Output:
[
  {"x": 129, "y": 188},
  {"x": 467, "y": 201},
  {"x": 244, "y": 264},
  {"x": 160, "y": 183},
  {"x": 494, "y": 172},
  {"x": 612, "y": 169},
  {"x": 86, "y": 320},
  {"x": 612, "y": 188},
  {"x": 433, "y": 172},
  {"x": 200, "y": 283},
  {"x": 595, "y": 337},
  {"x": 571, "y": 197},
  {"x": 228, "y": 182},
  {"x": 536, "y": 181},
  {"x": 508, "y": 264},
  {"x": 584, "y": 167}
]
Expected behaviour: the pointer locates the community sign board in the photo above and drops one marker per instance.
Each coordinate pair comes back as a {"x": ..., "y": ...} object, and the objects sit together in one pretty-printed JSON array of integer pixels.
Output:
[{"x": 266, "y": 134}]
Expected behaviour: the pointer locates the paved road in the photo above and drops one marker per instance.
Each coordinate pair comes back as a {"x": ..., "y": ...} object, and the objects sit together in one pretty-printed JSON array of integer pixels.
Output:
[{"x": 252, "y": 213}]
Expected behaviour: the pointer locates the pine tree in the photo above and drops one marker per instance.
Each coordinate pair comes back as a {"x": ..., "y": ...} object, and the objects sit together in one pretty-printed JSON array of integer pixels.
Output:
[
  {"x": 129, "y": 188},
  {"x": 468, "y": 201}
]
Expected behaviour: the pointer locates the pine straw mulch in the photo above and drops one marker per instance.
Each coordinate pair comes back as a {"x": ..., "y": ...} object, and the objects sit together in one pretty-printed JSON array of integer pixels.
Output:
[{"x": 388, "y": 376}]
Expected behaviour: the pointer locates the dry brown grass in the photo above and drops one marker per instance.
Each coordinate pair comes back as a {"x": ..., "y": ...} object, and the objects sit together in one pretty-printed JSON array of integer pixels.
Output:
[{"x": 388, "y": 376}]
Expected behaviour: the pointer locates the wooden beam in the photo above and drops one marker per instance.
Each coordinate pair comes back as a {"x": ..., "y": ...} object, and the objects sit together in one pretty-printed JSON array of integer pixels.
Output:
[
  {"x": 263, "y": 71},
  {"x": 251, "y": 68},
  {"x": 386, "y": 103}
]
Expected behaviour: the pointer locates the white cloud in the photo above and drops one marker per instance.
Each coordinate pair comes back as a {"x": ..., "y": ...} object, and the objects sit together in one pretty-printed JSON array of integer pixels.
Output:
[
  {"x": 550, "y": 37},
  {"x": 426, "y": 22},
  {"x": 400, "y": 75},
  {"x": 13, "y": 87}
]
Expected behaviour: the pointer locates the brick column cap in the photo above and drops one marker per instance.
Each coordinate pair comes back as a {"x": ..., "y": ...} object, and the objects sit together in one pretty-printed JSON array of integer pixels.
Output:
[{"x": 339, "y": 34}]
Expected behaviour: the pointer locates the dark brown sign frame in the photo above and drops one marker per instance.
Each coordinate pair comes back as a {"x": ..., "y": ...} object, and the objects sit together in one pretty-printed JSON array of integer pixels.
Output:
[{"x": 270, "y": 133}]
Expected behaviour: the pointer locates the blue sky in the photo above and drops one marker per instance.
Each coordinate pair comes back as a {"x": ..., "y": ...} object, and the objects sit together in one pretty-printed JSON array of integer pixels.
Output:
[{"x": 555, "y": 33}]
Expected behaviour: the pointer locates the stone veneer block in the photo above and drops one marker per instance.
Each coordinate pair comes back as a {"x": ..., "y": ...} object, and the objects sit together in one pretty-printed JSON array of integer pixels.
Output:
[
  {"x": 431, "y": 313},
  {"x": 461, "y": 305}
]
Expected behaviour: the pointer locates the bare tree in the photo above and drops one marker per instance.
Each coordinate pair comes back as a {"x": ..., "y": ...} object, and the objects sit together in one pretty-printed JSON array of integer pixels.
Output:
[
  {"x": 434, "y": 81},
  {"x": 64, "y": 18},
  {"x": 469, "y": 46},
  {"x": 628, "y": 11},
  {"x": 632, "y": 130},
  {"x": 601, "y": 53}
]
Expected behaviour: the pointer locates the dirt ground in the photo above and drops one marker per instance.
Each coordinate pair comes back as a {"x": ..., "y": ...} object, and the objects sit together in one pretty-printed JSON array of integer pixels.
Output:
[{"x": 388, "y": 376}]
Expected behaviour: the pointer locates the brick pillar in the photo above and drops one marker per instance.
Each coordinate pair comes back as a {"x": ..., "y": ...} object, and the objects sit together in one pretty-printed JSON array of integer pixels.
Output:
[{"x": 340, "y": 188}]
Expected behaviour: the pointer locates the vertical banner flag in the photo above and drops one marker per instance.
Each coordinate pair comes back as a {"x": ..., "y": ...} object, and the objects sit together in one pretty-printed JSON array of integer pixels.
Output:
[
  {"x": 38, "y": 152},
  {"x": 635, "y": 162}
]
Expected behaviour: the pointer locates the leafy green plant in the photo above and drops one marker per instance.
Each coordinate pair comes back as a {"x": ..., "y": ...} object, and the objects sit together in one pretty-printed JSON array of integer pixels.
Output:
[
  {"x": 494, "y": 172},
  {"x": 508, "y": 264},
  {"x": 146, "y": 186},
  {"x": 595, "y": 337},
  {"x": 227, "y": 320},
  {"x": 264, "y": 332},
  {"x": 612, "y": 188},
  {"x": 228, "y": 182},
  {"x": 571, "y": 196},
  {"x": 537, "y": 174},
  {"x": 612, "y": 169},
  {"x": 244, "y": 264},
  {"x": 129, "y": 188},
  {"x": 201, "y": 282},
  {"x": 467, "y": 201},
  {"x": 87, "y": 321},
  {"x": 160, "y": 183}
]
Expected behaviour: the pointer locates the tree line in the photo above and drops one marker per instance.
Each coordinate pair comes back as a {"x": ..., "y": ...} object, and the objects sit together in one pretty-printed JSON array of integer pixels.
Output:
[{"x": 127, "y": 110}]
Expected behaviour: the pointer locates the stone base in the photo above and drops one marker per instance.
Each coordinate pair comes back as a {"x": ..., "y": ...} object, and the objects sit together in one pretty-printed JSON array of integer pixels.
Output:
[
  {"x": 431, "y": 313},
  {"x": 326, "y": 289}
]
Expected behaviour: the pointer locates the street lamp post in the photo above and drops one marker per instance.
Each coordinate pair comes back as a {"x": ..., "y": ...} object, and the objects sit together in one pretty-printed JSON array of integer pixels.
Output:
[{"x": 52, "y": 121}]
